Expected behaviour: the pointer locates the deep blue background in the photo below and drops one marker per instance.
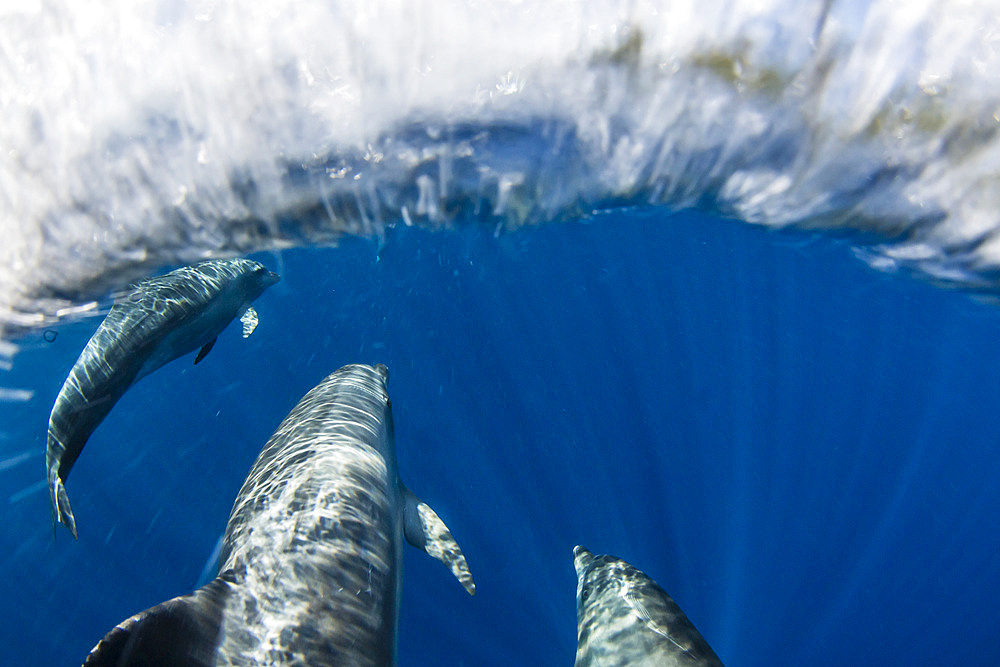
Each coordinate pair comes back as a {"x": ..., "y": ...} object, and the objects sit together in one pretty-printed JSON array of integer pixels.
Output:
[{"x": 802, "y": 451}]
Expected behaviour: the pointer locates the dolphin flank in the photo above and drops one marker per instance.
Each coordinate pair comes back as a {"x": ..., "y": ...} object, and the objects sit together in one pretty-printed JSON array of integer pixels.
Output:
[
  {"x": 310, "y": 568},
  {"x": 625, "y": 618},
  {"x": 154, "y": 322}
]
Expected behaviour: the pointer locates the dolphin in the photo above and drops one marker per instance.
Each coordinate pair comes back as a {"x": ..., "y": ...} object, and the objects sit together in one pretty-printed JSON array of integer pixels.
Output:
[
  {"x": 311, "y": 557},
  {"x": 153, "y": 322},
  {"x": 625, "y": 618}
]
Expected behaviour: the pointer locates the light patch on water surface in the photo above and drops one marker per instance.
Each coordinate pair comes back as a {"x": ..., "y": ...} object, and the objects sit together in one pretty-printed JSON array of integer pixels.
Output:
[
  {"x": 37, "y": 487},
  {"x": 12, "y": 394},
  {"x": 17, "y": 459}
]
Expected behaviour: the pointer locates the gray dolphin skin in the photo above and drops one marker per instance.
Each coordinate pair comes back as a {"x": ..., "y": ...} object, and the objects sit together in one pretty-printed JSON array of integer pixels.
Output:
[
  {"x": 625, "y": 618},
  {"x": 154, "y": 322},
  {"x": 311, "y": 558}
]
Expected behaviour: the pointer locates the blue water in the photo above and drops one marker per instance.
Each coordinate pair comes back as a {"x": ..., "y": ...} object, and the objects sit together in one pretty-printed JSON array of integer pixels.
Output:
[{"x": 801, "y": 450}]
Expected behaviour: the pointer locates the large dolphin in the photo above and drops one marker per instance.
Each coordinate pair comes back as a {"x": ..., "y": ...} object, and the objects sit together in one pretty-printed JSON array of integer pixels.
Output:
[
  {"x": 624, "y": 618},
  {"x": 311, "y": 557},
  {"x": 154, "y": 322}
]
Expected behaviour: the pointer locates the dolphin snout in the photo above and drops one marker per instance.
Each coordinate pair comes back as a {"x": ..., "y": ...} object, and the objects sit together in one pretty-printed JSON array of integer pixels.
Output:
[{"x": 581, "y": 559}]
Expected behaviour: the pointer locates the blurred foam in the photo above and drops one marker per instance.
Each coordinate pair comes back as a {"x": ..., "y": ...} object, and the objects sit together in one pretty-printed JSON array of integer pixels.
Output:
[{"x": 140, "y": 134}]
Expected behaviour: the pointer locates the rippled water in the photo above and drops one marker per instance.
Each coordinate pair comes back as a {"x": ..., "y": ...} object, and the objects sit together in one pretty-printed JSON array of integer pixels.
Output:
[{"x": 141, "y": 134}]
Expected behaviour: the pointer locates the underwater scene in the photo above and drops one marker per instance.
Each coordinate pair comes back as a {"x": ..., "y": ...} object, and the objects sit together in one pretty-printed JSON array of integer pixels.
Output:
[{"x": 667, "y": 328}]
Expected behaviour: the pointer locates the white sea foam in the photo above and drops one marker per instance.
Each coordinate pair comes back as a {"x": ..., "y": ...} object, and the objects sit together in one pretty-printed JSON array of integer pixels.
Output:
[{"x": 137, "y": 134}]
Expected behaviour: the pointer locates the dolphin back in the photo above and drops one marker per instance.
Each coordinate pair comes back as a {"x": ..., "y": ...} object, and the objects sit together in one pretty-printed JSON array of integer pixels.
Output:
[
  {"x": 625, "y": 619},
  {"x": 347, "y": 418}
]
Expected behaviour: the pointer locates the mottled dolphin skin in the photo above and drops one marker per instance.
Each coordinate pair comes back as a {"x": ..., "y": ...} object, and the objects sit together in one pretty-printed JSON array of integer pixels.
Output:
[
  {"x": 624, "y": 618},
  {"x": 311, "y": 558},
  {"x": 154, "y": 322}
]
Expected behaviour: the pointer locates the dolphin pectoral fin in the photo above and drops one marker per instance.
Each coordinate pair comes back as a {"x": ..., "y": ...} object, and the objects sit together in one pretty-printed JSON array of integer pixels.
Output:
[
  {"x": 249, "y": 320},
  {"x": 205, "y": 350},
  {"x": 426, "y": 531},
  {"x": 181, "y": 631},
  {"x": 61, "y": 510}
]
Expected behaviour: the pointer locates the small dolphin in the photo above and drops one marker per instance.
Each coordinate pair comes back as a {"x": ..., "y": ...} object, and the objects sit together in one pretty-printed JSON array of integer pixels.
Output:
[
  {"x": 311, "y": 558},
  {"x": 154, "y": 322},
  {"x": 624, "y": 618}
]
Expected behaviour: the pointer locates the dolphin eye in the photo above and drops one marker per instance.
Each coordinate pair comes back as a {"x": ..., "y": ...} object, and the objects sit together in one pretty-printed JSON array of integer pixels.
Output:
[{"x": 585, "y": 593}]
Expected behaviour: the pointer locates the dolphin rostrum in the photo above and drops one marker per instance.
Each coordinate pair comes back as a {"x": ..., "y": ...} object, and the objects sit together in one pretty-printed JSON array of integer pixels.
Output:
[
  {"x": 153, "y": 322},
  {"x": 311, "y": 557},
  {"x": 625, "y": 618}
]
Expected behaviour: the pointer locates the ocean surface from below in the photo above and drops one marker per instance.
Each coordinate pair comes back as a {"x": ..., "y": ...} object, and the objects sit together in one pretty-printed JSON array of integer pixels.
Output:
[{"x": 142, "y": 134}]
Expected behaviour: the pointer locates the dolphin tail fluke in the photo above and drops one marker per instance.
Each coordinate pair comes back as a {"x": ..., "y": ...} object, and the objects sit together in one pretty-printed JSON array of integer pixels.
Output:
[
  {"x": 426, "y": 531},
  {"x": 61, "y": 511},
  {"x": 181, "y": 631}
]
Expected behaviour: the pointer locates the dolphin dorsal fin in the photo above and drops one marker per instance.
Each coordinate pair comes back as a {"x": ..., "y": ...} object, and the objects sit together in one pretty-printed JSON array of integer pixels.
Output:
[
  {"x": 249, "y": 320},
  {"x": 181, "y": 631},
  {"x": 425, "y": 530}
]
